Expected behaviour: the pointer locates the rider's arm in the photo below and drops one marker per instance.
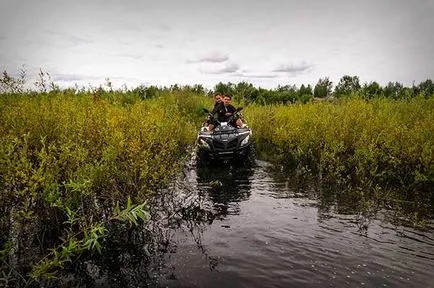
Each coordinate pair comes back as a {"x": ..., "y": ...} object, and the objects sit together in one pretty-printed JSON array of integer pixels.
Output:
[
  {"x": 216, "y": 109},
  {"x": 230, "y": 110}
]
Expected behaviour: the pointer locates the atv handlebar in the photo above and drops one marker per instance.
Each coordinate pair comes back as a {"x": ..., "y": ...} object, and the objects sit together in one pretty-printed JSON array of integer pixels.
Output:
[{"x": 231, "y": 118}]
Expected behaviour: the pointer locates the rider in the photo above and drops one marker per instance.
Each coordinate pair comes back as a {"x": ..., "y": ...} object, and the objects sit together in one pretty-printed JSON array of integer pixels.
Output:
[
  {"x": 228, "y": 110},
  {"x": 218, "y": 106}
]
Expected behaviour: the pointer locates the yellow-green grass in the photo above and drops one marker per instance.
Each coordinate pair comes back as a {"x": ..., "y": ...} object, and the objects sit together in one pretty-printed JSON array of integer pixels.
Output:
[
  {"x": 79, "y": 153},
  {"x": 378, "y": 143},
  {"x": 67, "y": 158}
]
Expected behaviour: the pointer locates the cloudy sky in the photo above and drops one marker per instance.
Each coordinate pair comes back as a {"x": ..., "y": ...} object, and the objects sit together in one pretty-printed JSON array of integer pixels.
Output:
[{"x": 266, "y": 43}]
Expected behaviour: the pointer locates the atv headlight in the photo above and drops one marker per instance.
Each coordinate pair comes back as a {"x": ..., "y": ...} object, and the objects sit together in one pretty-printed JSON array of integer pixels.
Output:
[
  {"x": 245, "y": 141},
  {"x": 203, "y": 143}
]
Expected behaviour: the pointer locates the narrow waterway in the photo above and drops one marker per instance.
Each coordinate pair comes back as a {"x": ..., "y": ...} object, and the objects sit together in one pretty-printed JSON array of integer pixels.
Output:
[{"x": 266, "y": 231}]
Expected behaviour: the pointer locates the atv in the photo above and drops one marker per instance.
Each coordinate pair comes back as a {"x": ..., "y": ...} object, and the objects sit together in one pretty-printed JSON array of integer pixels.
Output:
[{"x": 225, "y": 142}]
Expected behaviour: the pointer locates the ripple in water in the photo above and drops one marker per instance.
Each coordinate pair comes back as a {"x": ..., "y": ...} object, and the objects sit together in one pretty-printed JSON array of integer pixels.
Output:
[{"x": 268, "y": 231}]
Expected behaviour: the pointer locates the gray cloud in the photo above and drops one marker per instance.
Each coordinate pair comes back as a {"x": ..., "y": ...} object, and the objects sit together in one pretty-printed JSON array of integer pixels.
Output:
[
  {"x": 139, "y": 26},
  {"x": 66, "y": 77},
  {"x": 213, "y": 57},
  {"x": 70, "y": 40},
  {"x": 163, "y": 27},
  {"x": 293, "y": 68},
  {"x": 227, "y": 69},
  {"x": 67, "y": 80},
  {"x": 263, "y": 76},
  {"x": 125, "y": 26},
  {"x": 74, "y": 77},
  {"x": 133, "y": 56}
]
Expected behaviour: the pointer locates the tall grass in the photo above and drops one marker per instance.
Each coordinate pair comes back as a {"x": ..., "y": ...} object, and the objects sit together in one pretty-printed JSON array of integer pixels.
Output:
[
  {"x": 381, "y": 143},
  {"x": 69, "y": 158},
  {"x": 73, "y": 161}
]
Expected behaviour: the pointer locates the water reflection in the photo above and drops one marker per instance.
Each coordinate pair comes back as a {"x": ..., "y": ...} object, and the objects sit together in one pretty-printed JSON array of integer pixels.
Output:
[
  {"x": 225, "y": 186},
  {"x": 363, "y": 201},
  {"x": 136, "y": 256},
  {"x": 283, "y": 231},
  {"x": 255, "y": 226}
]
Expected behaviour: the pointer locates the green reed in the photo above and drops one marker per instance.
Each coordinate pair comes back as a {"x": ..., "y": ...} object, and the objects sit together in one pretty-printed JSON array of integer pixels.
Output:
[
  {"x": 381, "y": 143},
  {"x": 73, "y": 161}
]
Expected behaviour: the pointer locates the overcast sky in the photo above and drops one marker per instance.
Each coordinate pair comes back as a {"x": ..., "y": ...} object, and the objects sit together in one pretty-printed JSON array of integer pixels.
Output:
[{"x": 266, "y": 43}]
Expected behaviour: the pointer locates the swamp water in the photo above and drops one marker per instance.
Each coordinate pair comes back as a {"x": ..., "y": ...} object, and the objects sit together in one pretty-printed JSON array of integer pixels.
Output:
[
  {"x": 253, "y": 226},
  {"x": 265, "y": 231}
]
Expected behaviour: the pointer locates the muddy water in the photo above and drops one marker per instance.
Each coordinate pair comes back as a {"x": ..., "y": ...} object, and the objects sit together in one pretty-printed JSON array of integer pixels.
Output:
[{"x": 266, "y": 231}]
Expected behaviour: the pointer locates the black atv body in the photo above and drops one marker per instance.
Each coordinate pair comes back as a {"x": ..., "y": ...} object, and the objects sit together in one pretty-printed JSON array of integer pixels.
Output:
[{"x": 224, "y": 142}]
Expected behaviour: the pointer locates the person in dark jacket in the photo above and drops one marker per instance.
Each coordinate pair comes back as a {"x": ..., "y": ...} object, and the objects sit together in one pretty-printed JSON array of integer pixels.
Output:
[
  {"x": 228, "y": 110},
  {"x": 218, "y": 107},
  {"x": 218, "y": 104}
]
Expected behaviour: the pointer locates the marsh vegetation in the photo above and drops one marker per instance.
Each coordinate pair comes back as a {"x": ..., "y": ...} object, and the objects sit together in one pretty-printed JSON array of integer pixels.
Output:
[{"x": 80, "y": 168}]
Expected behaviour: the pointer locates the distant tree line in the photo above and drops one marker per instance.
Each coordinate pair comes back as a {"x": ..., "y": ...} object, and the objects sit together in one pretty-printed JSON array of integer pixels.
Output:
[
  {"x": 242, "y": 92},
  {"x": 348, "y": 86}
]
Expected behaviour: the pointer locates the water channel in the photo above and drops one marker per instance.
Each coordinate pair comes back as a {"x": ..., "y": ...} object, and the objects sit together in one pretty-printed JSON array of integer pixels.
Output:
[
  {"x": 255, "y": 226},
  {"x": 267, "y": 231}
]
